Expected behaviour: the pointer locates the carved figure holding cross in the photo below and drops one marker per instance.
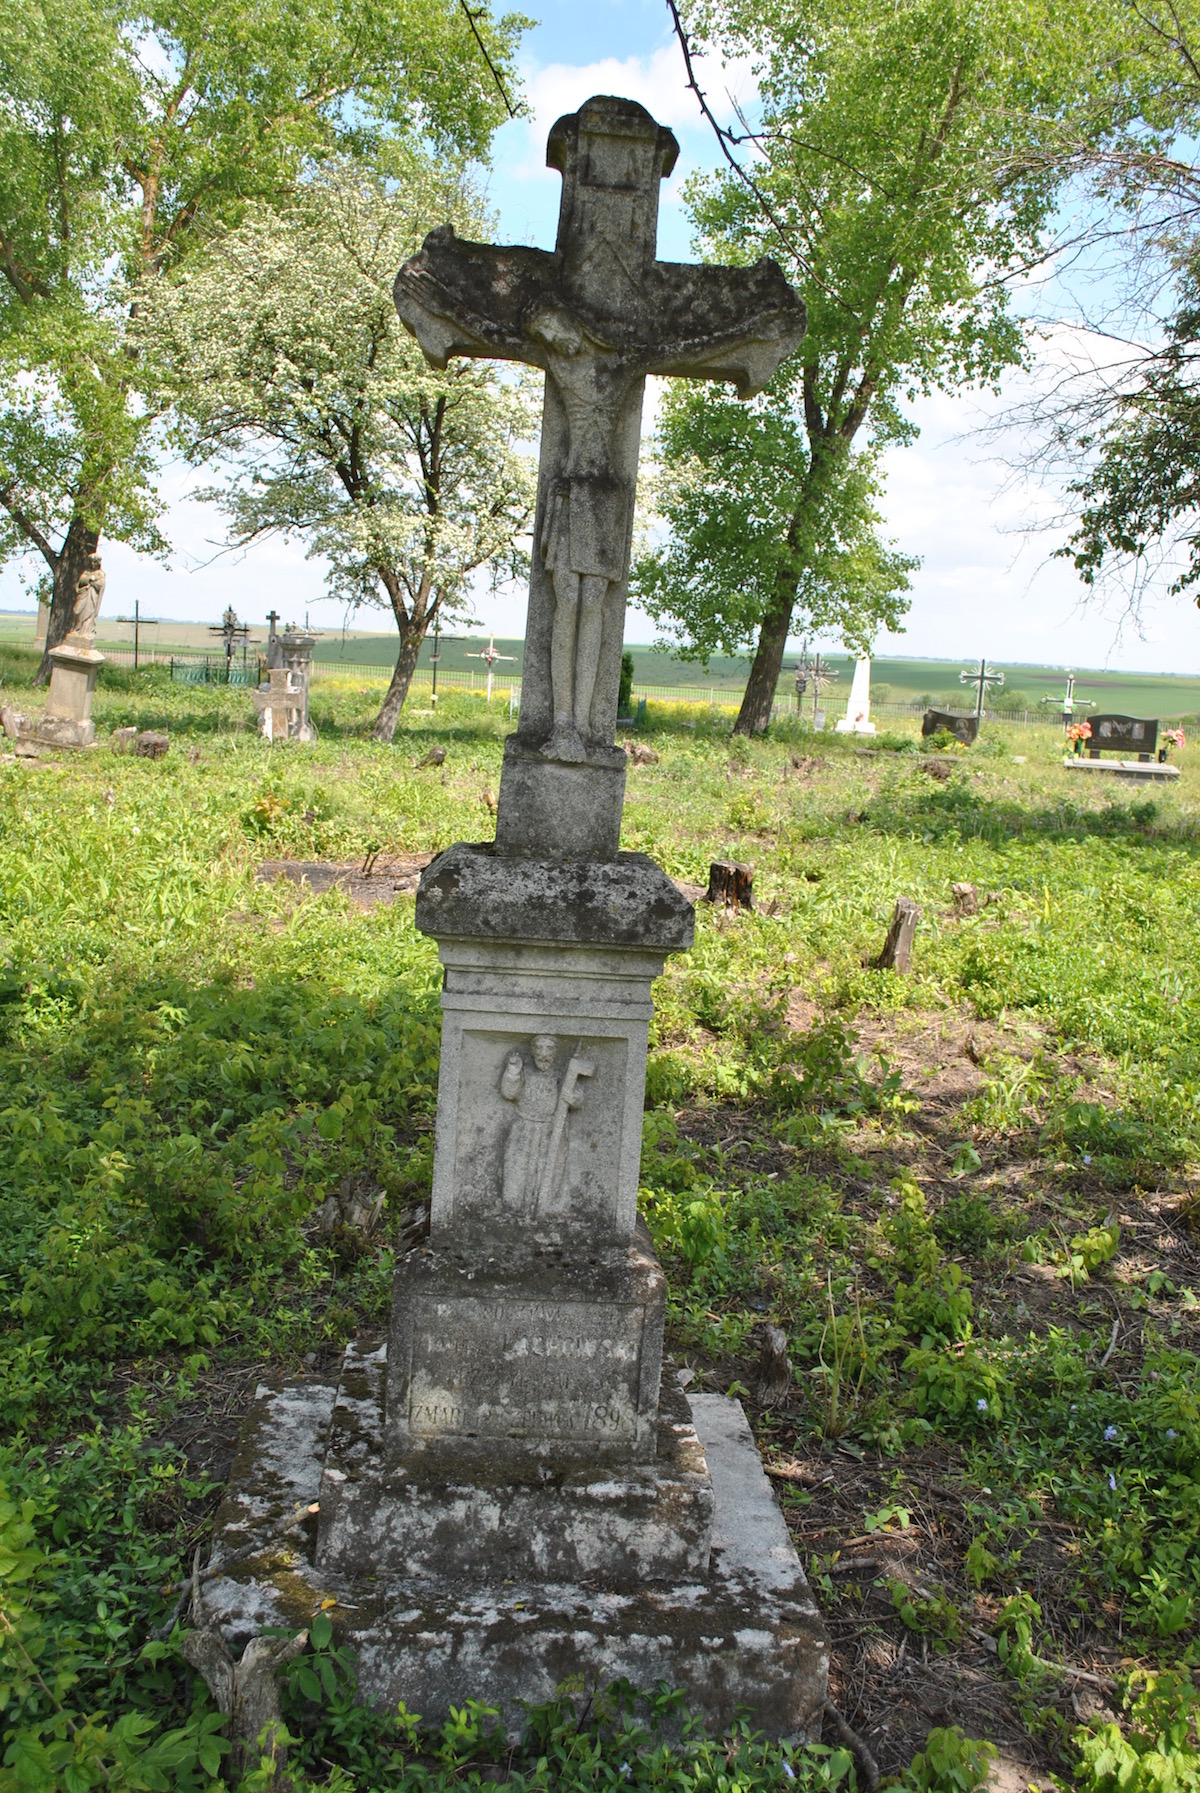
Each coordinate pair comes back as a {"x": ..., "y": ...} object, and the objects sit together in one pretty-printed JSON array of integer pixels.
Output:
[{"x": 597, "y": 314}]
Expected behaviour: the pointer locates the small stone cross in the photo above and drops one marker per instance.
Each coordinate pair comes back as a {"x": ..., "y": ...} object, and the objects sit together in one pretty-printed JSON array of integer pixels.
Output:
[{"x": 597, "y": 314}]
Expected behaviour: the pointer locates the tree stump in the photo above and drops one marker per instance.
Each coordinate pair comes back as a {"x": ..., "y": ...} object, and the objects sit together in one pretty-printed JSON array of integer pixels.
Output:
[
  {"x": 774, "y": 1367},
  {"x": 966, "y": 899},
  {"x": 897, "y": 948},
  {"x": 246, "y": 1691},
  {"x": 730, "y": 884}
]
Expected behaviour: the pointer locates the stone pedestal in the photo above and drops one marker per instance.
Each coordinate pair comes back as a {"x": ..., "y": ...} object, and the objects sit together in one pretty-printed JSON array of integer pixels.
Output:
[
  {"x": 577, "y": 805},
  {"x": 511, "y": 1492},
  {"x": 680, "y": 1573},
  {"x": 580, "y": 1517},
  {"x": 67, "y": 719}
]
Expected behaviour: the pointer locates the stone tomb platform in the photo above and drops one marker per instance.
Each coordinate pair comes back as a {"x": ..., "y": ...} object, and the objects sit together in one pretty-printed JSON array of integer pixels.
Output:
[
  {"x": 511, "y": 1494},
  {"x": 67, "y": 721},
  {"x": 737, "y": 1631},
  {"x": 1147, "y": 770}
]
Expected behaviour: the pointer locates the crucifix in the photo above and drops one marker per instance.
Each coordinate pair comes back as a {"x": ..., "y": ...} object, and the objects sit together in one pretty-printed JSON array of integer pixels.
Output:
[
  {"x": 139, "y": 622},
  {"x": 820, "y": 672},
  {"x": 597, "y": 314},
  {"x": 489, "y": 656},
  {"x": 1068, "y": 703},
  {"x": 519, "y": 1453},
  {"x": 986, "y": 676}
]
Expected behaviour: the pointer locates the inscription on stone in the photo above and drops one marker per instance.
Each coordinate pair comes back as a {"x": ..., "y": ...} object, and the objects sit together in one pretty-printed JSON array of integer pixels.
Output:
[{"x": 553, "y": 1370}]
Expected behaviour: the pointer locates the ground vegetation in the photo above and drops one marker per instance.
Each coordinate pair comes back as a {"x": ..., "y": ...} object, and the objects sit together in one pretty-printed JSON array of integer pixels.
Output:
[{"x": 967, "y": 1196}]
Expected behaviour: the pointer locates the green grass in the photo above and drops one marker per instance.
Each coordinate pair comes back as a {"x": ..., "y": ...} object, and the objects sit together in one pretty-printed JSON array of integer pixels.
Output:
[{"x": 193, "y": 1060}]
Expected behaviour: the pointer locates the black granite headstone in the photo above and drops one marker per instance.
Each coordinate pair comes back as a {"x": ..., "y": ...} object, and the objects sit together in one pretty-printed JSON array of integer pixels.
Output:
[
  {"x": 1123, "y": 734},
  {"x": 963, "y": 728}
]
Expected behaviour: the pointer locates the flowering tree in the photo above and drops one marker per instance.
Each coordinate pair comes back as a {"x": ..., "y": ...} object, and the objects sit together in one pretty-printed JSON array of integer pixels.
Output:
[
  {"x": 286, "y": 358},
  {"x": 128, "y": 136}
]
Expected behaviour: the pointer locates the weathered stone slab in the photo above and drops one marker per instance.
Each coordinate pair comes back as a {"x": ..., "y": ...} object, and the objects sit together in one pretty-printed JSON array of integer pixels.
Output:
[
  {"x": 531, "y": 1356},
  {"x": 745, "y": 1636},
  {"x": 473, "y": 892},
  {"x": 631, "y": 1523}
]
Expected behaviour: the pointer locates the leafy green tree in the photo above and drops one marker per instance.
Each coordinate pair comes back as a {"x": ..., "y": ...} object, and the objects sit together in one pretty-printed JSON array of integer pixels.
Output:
[
  {"x": 128, "y": 136},
  {"x": 746, "y": 536},
  {"x": 1122, "y": 430},
  {"x": 909, "y": 162},
  {"x": 1141, "y": 497},
  {"x": 287, "y": 354}
]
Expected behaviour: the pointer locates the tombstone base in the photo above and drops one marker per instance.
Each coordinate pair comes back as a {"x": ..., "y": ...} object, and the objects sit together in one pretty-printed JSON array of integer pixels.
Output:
[
  {"x": 1135, "y": 769},
  {"x": 524, "y": 1362},
  {"x": 65, "y": 731},
  {"x": 551, "y": 807},
  {"x": 67, "y": 718},
  {"x": 744, "y": 1635},
  {"x": 427, "y": 1516}
]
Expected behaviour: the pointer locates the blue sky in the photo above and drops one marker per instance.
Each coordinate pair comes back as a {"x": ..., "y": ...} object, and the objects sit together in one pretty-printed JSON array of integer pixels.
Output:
[{"x": 986, "y": 585}]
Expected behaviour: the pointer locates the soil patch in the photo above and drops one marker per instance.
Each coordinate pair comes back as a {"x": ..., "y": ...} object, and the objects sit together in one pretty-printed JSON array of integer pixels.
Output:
[{"x": 374, "y": 881}]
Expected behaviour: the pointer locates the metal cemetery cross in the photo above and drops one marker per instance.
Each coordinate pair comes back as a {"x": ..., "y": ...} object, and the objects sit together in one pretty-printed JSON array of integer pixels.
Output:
[
  {"x": 986, "y": 676},
  {"x": 597, "y": 314}
]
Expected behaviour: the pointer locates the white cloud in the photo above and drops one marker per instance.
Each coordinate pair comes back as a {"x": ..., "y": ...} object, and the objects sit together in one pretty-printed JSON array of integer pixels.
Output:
[
  {"x": 657, "y": 81},
  {"x": 526, "y": 191}
]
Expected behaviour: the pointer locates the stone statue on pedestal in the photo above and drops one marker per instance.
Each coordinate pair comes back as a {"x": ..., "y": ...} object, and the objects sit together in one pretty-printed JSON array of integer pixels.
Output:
[{"x": 89, "y": 595}]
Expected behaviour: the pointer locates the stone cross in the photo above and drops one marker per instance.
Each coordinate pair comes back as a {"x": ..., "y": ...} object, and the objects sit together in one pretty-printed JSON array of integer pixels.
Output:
[
  {"x": 515, "y": 1491},
  {"x": 597, "y": 314}
]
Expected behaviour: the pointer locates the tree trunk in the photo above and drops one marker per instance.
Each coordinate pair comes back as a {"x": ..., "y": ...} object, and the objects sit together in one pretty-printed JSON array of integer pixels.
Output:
[
  {"x": 80, "y": 541},
  {"x": 406, "y": 664},
  {"x": 755, "y": 713}
]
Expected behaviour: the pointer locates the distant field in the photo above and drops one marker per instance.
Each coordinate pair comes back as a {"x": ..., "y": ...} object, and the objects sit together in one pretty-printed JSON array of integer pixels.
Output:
[{"x": 1163, "y": 695}]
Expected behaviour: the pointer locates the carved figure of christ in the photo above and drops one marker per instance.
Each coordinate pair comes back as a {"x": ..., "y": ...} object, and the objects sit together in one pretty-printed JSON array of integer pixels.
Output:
[{"x": 597, "y": 315}]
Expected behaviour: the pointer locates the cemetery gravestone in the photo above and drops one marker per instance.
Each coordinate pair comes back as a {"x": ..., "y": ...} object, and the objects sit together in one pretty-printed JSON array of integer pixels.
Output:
[
  {"x": 74, "y": 665},
  {"x": 857, "y": 720},
  {"x": 963, "y": 728},
  {"x": 1130, "y": 735},
  {"x": 513, "y": 1489},
  {"x": 1123, "y": 734},
  {"x": 282, "y": 703}
]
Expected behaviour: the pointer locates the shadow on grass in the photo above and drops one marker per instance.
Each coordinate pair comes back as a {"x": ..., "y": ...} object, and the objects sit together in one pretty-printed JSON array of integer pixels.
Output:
[{"x": 160, "y": 1174}]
